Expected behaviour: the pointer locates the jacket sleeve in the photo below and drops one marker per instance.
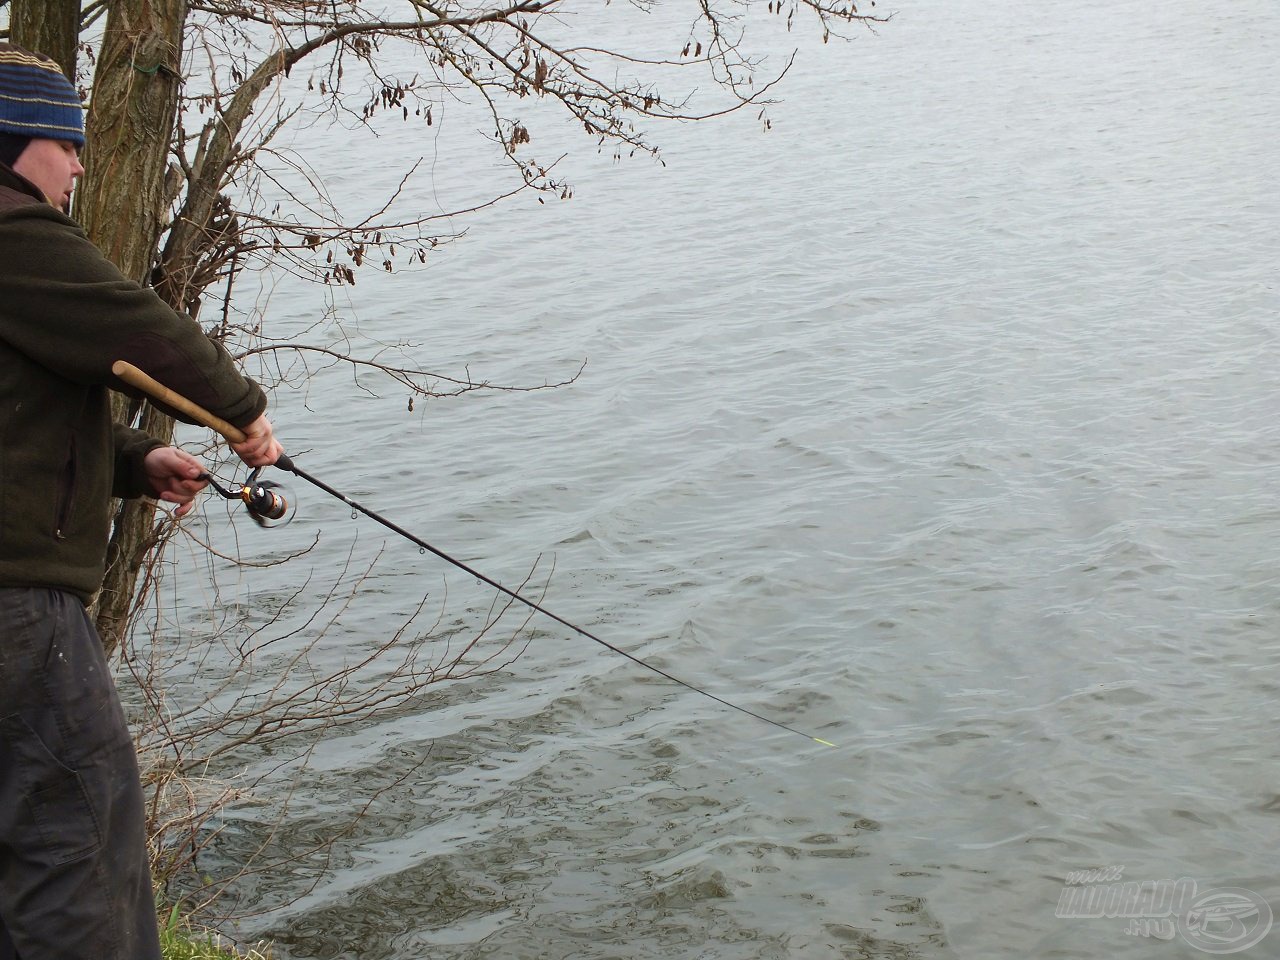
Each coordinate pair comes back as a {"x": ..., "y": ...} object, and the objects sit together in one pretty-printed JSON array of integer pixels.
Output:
[
  {"x": 71, "y": 310},
  {"x": 132, "y": 447}
]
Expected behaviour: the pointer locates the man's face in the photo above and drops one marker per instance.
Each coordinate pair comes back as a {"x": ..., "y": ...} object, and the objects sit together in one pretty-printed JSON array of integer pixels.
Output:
[{"x": 53, "y": 166}]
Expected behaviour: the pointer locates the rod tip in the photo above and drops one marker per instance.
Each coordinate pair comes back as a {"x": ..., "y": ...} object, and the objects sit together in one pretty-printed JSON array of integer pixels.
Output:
[{"x": 825, "y": 743}]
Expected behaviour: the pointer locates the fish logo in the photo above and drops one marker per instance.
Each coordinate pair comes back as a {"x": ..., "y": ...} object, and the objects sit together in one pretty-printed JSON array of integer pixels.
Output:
[{"x": 1226, "y": 920}]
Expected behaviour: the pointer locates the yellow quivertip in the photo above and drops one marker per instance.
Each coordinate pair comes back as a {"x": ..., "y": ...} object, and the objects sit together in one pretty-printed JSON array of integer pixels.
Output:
[{"x": 825, "y": 743}]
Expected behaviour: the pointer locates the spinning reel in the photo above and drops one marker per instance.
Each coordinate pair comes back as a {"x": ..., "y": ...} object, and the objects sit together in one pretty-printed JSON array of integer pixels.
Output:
[{"x": 270, "y": 504}]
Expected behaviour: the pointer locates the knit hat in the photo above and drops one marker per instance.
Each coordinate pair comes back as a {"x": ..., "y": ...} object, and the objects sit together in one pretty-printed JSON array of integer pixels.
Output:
[{"x": 36, "y": 100}]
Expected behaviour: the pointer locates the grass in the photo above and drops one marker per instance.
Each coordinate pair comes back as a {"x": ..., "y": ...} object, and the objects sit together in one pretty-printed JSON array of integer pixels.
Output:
[{"x": 179, "y": 941}]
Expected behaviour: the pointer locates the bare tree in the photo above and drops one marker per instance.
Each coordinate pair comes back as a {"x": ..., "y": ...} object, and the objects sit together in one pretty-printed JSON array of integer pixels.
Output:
[{"x": 188, "y": 95}]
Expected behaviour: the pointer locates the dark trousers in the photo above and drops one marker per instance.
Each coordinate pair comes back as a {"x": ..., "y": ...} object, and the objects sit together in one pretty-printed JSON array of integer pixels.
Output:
[{"x": 74, "y": 880}]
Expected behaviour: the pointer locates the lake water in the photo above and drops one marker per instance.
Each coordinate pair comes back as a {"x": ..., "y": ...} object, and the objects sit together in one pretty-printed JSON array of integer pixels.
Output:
[{"x": 939, "y": 422}]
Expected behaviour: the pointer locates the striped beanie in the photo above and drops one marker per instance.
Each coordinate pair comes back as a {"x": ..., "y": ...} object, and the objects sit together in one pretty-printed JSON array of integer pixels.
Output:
[{"x": 36, "y": 100}]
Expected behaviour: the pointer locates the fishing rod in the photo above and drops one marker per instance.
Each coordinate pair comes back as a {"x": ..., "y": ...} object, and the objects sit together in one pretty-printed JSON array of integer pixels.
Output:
[{"x": 269, "y": 504}]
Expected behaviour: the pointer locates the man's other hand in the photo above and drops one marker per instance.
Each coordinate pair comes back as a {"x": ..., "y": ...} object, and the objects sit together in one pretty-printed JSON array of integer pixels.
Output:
[{"x": 174, "y": 476}]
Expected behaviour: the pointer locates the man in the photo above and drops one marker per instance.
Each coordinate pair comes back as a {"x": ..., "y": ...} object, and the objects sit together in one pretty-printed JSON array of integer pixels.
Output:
[{"x": 74, "y": 878}]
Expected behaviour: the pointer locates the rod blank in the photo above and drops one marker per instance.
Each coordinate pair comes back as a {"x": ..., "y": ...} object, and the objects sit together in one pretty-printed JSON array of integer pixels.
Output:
[{"x": 136, "y": 378}]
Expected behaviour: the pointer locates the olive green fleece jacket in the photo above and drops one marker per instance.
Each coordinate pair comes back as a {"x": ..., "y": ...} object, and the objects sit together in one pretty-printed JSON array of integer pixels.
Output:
[{"x": 67, "y": 314}]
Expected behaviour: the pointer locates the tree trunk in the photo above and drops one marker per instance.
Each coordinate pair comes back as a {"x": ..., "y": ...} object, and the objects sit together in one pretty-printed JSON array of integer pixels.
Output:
[
  {"x": 122, "y": 204},
  {"x": 132, "y": 536},
  {"x": 122, "y": 207},
  {"x": 51, "y": 27}
]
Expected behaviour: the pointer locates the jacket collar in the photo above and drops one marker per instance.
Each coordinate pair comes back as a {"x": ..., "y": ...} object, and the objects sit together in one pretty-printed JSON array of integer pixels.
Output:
[{"x": 16, "y": 181}]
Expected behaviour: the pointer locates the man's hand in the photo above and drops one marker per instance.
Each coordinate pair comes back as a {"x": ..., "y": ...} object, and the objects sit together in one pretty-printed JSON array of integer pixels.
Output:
[
  {"x": 260, "y": 448},
  {"x": 175, "y": 477}
]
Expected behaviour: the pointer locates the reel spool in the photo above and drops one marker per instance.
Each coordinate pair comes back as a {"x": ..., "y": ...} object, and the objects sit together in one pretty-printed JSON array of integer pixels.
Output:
[{"x": 270, "y": 504}]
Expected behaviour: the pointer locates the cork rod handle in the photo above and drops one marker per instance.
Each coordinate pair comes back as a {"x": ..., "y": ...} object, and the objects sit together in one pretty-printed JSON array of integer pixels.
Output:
[{"x": 136, "y": 378}]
